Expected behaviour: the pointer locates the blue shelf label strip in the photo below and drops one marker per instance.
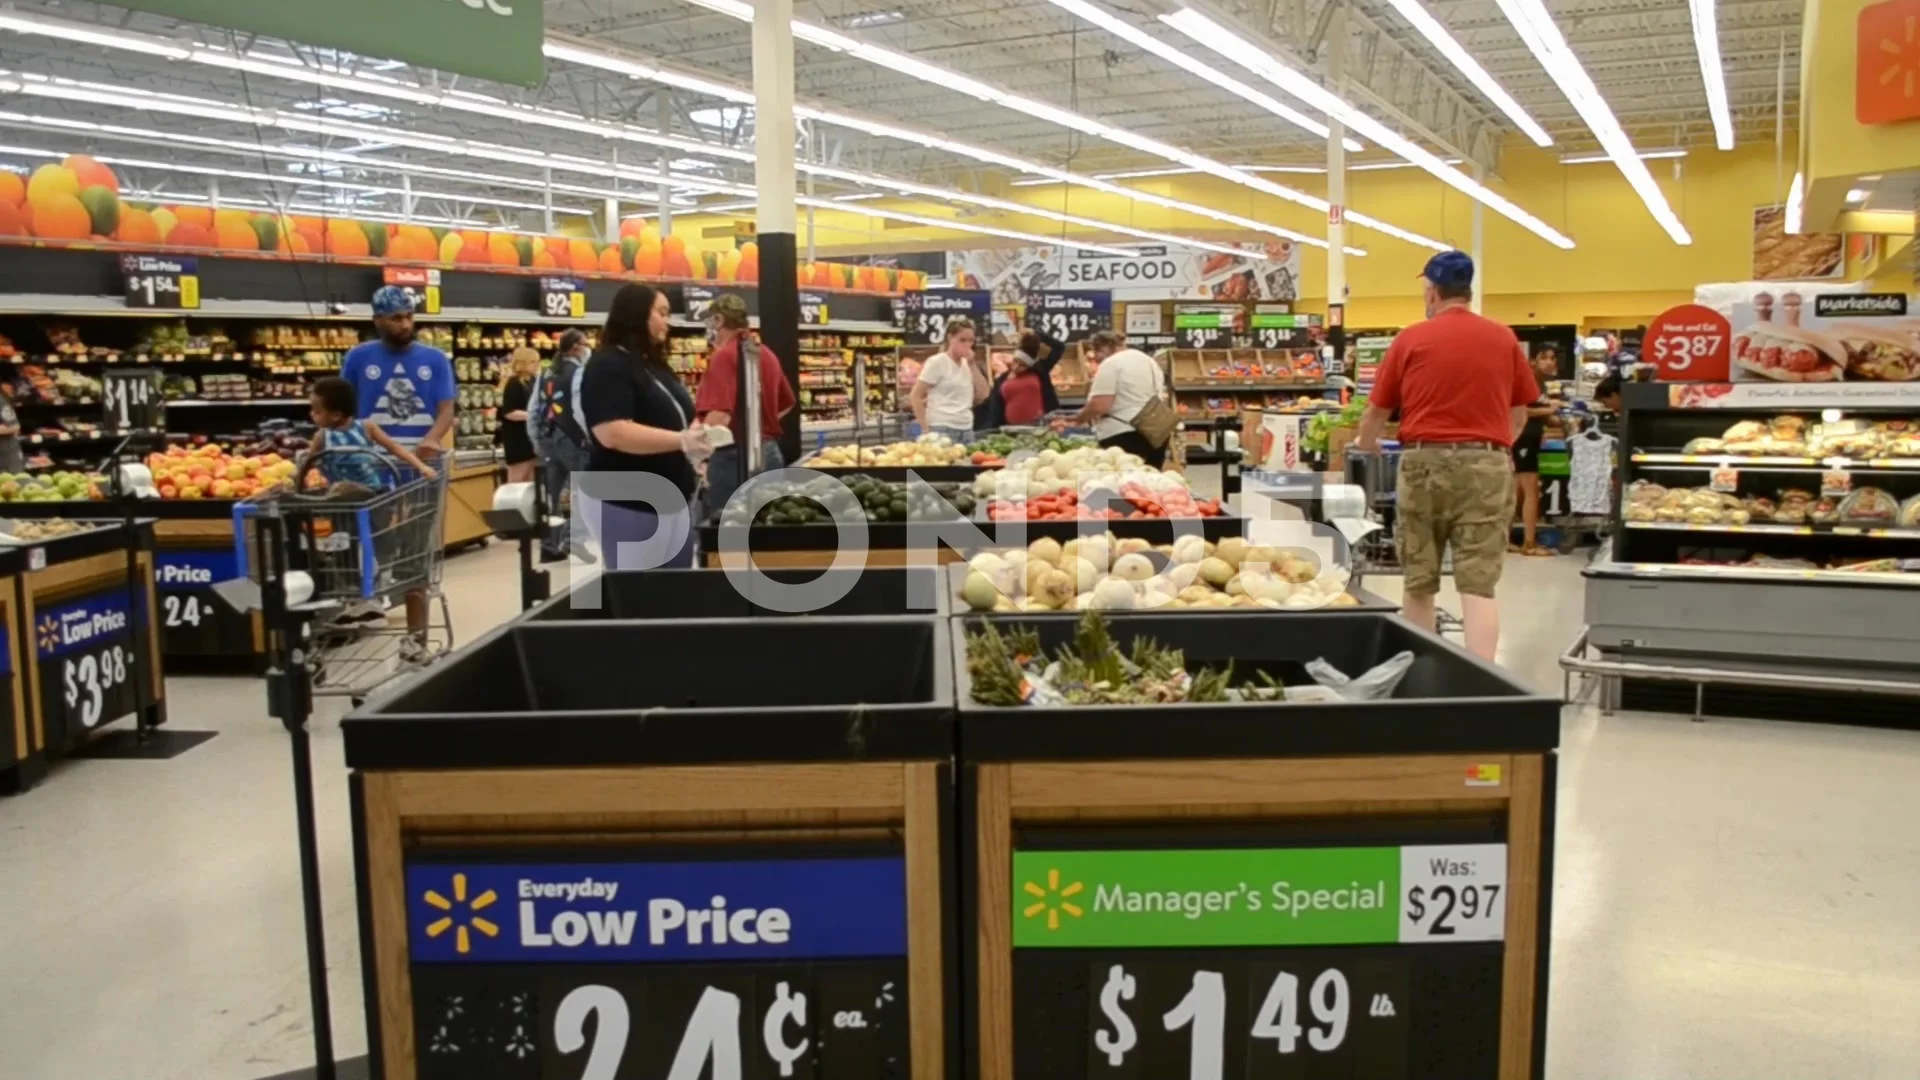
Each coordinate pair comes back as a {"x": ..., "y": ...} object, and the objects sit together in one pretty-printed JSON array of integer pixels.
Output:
[{"x": 654, "y": 912}]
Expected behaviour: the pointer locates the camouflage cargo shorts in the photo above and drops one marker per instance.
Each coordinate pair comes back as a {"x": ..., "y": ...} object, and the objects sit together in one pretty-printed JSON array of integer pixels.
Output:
[{"x": 1460, "y": 498}]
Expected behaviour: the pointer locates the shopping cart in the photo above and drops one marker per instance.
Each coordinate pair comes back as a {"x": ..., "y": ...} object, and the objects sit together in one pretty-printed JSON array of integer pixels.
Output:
[
  {"x": 1377, "y": 473},
  {"x": 366, "y": 547}
]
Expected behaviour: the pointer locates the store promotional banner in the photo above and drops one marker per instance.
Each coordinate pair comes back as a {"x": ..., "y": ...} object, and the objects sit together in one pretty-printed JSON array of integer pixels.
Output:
[
  {"x": 491, "y": 39},
  {"x": 1814, "y": 335},
  {"x": 656, "y": 911},
  {"x": 1269, "y": 271}
]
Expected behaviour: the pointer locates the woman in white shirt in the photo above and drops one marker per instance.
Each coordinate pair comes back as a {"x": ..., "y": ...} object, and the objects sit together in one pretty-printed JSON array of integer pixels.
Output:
[
  {"x": 951, "y": 383},
  {"x": 1122, "y": 385}
]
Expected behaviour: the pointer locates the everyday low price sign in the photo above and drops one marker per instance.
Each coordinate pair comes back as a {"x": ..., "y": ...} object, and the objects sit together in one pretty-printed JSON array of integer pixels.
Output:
[
  {"x": 1074, "y": 315},
  {"x": 86, "y": 664},
  {"x": 161, "y": 281},
  {"x": 789, "y": 968},
  {"x": 928, "y": 313}
]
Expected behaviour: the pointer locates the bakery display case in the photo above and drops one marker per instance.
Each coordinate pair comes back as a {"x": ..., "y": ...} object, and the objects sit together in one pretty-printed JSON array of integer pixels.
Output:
[{"x": 1766, "y": 537}]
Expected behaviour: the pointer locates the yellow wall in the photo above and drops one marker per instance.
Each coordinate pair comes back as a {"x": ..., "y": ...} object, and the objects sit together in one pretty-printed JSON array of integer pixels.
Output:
[{"x": 1623, "y": 267}]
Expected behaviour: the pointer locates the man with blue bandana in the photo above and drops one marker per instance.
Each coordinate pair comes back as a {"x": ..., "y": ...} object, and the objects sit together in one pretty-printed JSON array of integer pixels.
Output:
[{"x": 403, "y": 386}]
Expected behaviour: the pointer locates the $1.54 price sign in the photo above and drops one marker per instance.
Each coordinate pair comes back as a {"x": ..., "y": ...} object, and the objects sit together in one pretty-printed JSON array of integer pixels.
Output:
[
  {"x": 1689, "y": 343},
  {"x": 161, "y": 281}
]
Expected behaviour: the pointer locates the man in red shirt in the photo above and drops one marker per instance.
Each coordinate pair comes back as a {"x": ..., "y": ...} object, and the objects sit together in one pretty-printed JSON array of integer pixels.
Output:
[
  {"x": 719, "y": 394},
  {"x": 1462, "y": 386}
]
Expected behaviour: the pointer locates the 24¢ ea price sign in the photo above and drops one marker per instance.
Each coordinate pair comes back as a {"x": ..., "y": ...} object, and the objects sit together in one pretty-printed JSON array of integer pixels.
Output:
[
  {"x": 1689, "y": 343},
  {"x": 744, "y": 970},
  {"x": 1382, "y": 963}
]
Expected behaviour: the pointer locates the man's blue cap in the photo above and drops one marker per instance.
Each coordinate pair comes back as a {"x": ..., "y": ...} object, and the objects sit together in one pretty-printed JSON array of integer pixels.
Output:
[
  {"x": 392, "y": 300},
  {"x": 1450, "y": 270}
]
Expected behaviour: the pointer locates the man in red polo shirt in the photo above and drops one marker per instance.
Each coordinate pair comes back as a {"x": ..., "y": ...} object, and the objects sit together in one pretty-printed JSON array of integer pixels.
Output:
[
  {"x": 719, "y": 394},
  {"x": 1462, "y": 386}
]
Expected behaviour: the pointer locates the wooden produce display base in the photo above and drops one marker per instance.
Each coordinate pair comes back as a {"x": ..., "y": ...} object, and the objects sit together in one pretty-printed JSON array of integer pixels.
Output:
[
  {"x": 1196, "y": 805},
  {"x": 581, "y": 812},
  {"x": 469, "y": 493}
]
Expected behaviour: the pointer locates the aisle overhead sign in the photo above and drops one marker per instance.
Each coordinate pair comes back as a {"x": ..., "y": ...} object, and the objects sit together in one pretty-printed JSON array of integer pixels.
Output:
[{"x": 491, "y": 39}]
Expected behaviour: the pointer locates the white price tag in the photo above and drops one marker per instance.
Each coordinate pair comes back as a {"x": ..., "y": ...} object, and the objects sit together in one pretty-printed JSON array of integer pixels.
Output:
[{"x": 1454, "y": 892}]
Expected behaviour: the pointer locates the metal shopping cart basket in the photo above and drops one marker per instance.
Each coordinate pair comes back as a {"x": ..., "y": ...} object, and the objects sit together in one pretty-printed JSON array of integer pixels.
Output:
[
  {"x": 1378, "y": 475},
  {"x": 370, "y": 543}
]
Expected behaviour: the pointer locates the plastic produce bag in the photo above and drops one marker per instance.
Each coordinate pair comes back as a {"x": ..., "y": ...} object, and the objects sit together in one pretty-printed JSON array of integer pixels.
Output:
[{"x": 1375, "y": 685}]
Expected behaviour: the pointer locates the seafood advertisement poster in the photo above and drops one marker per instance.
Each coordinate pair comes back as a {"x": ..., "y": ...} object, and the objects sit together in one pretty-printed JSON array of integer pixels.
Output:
[{"x": 1268, "y": 272}]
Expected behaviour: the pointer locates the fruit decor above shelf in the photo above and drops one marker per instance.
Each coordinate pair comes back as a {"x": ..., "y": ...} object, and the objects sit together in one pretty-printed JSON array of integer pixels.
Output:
[{"x": 78, "y": 203}]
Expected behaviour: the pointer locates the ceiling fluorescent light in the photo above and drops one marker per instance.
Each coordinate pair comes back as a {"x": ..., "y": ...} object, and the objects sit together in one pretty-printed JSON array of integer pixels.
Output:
[
  {"x": 1706, "y": 42},
  {"x": 859, "y": 196},
  {"x": 950, "y": 80},
  {"x": 1601, "y": 159},
  {"x": 1140, "y": 38},
  {"x": 10, "y": 20},
  {"x": 985, "y": 230},
  {"x": 1537, "y": 29},
  {"x": 1796, "y": 205},
  {"x": 576, "y": 54},
  {"x": 1437, "y": 36},
  {"x": 1207, "y": 32}
]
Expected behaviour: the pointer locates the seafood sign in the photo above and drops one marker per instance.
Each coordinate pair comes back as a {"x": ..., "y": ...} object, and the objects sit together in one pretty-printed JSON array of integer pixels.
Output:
[{"x": 1269, "y": 271}]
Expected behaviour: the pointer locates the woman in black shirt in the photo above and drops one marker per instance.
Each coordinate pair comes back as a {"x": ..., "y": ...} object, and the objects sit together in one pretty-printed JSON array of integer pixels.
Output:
[
  {"x": 516, "y": 392},
  {"x": 646, "y": 443}
]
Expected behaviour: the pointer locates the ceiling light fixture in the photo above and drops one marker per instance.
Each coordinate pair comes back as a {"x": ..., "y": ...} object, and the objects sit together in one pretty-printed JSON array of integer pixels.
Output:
[
  {"x": 86, "y": 35},
  {"x": 1602, "y": 159},
  {"x": 1135, "y": 36},
  {"x": 1437, "y": 36},
  {"x": 1706, "y": 42},
  {"x": 1796, "y": 205},
  {"x": 955, "y": 82},
  {"x": 939, "y": 223},
  {"x": 1213, "y": 35},
  {"x": 861, "y": 196},
  {"x": 1542, "y": 36}
]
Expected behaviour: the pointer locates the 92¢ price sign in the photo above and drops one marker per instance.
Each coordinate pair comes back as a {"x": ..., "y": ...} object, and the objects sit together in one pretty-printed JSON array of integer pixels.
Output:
[
  {"x": 1210, "y": 964},
  {"x": 562, "y": 298},
  {"x": 1689, "y": 343}
]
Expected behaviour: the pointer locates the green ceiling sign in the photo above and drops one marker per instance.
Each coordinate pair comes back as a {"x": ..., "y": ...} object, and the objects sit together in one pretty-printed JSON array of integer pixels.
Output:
[{"x": 490, "y": 39}]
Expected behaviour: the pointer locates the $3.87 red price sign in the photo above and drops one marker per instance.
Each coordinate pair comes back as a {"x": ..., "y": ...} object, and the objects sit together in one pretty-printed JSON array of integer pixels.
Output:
[{"x": 1689, "y": 343}]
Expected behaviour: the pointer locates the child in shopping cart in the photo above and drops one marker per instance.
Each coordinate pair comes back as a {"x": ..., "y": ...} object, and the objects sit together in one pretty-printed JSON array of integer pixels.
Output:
[{"x": 345, "y": 454}]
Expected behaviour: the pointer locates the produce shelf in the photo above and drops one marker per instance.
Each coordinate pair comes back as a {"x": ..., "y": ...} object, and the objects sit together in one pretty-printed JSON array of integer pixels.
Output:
[
  {"x": 889, "y": 543},
  {"x": 1764, "y": 528},
  {"x": 1715, "y": 461},
  {"x": 1770, "y": 574},
  {"x": 957, "y": 576}
]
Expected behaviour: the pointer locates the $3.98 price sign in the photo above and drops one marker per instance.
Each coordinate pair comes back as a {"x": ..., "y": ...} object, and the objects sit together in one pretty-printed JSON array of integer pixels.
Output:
[
  {"x": 89, "y": 682},
  {"x": 830, "y": 1021},
  {"x": 86, "y": 665}
]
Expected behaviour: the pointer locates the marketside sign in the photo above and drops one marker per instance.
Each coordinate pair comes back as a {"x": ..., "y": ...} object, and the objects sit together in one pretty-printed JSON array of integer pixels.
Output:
[
  {"x": 1241, "y": 897},
  {"x": 491, "y": 39}
]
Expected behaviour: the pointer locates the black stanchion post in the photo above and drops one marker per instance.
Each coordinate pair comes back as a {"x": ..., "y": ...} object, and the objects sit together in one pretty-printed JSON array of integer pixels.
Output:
[{"x": 291, "y": 700}]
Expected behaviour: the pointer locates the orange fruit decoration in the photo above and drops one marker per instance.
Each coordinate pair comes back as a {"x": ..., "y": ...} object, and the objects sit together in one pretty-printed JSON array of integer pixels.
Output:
[
  {"x": 194, "y": 215},
  {"x": 50, "y": 180},
  {"x": 581, "y": 254},
  {"x": 673, "y": 263},
  {"x": 90, "y": 172},
  {"x": 13, "y": 190},
  {"x": 60, "y": 216},
  {"x": 473, "y": 249},
  {"x": 501, "y": 250},
  {"x": 299, "y": 244},
  {"x": 233, "y": 235},
  {"x": 672, "y": 245},
  {"x": 137, "y": 227},
  {"x": 749, "y": 261},
  {"x": 647, "y": 262},
  {"x": 730, "y": 266},
  {"x": 345, "y": 239},
  {"x": 13, "y": 220},
  {"x": 191, "y": 236},
  {"x": 863, "y": 277},
  {"x": 544, "y": 260},
  {"x": 609, "y": 261}
]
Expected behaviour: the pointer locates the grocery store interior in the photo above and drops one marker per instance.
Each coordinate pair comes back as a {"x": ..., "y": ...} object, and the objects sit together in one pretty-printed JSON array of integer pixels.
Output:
[{"x": 1065, "y": 708}]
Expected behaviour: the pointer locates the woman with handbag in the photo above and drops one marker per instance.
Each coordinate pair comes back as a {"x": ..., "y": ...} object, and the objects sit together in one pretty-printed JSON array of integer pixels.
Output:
[{"x": 1127, "y": 404}]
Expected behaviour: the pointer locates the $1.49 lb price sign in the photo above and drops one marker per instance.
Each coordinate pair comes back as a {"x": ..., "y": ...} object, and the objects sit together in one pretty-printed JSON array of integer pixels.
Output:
[
  {"x": 1689, "y": 343},
  {"x": 754, "y": 970},
  {"x": 1209, "y": 964}
]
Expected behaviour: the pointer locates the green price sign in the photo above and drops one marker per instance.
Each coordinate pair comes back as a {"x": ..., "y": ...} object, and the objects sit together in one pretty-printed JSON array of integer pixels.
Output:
[{"x": 1259, "y": 897}]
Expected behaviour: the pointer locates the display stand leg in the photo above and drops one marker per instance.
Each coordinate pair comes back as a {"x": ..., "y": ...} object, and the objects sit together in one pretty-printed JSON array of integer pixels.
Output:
[{"x": 310, "y": 901}]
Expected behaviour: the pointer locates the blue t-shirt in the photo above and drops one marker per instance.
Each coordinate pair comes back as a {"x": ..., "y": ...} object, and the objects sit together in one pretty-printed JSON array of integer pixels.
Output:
[
  {"x": 400, "y": 391},
  {"x": 352, "y": 457}
]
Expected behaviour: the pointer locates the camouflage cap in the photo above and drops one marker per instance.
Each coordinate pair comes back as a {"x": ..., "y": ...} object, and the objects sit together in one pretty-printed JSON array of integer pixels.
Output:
[{"x": 730, "y": 309}]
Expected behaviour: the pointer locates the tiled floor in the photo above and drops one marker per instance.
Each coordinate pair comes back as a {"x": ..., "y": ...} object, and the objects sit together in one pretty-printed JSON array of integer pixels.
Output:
[{"x": 1734, "y": 899}]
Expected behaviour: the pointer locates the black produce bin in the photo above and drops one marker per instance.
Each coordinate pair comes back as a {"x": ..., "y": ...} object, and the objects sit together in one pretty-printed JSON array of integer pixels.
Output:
[
  {"x": 586, "y": 694},
  {"x": 1449, "y": 701},
  {"x": 712, "y": 593}
]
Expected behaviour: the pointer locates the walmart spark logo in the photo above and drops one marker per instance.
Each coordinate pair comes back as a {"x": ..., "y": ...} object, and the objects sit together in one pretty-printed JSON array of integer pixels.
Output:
[
  {"x": 49, "y": 633},
  {"x": 1887, "y": 62},
  {"x": 461, "y": 942},
  {"x": 1053, "y": 900}
]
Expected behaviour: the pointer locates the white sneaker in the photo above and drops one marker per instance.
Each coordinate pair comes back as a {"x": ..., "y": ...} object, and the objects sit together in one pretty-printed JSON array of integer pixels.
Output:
[{"x": 414, "y": 652}]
